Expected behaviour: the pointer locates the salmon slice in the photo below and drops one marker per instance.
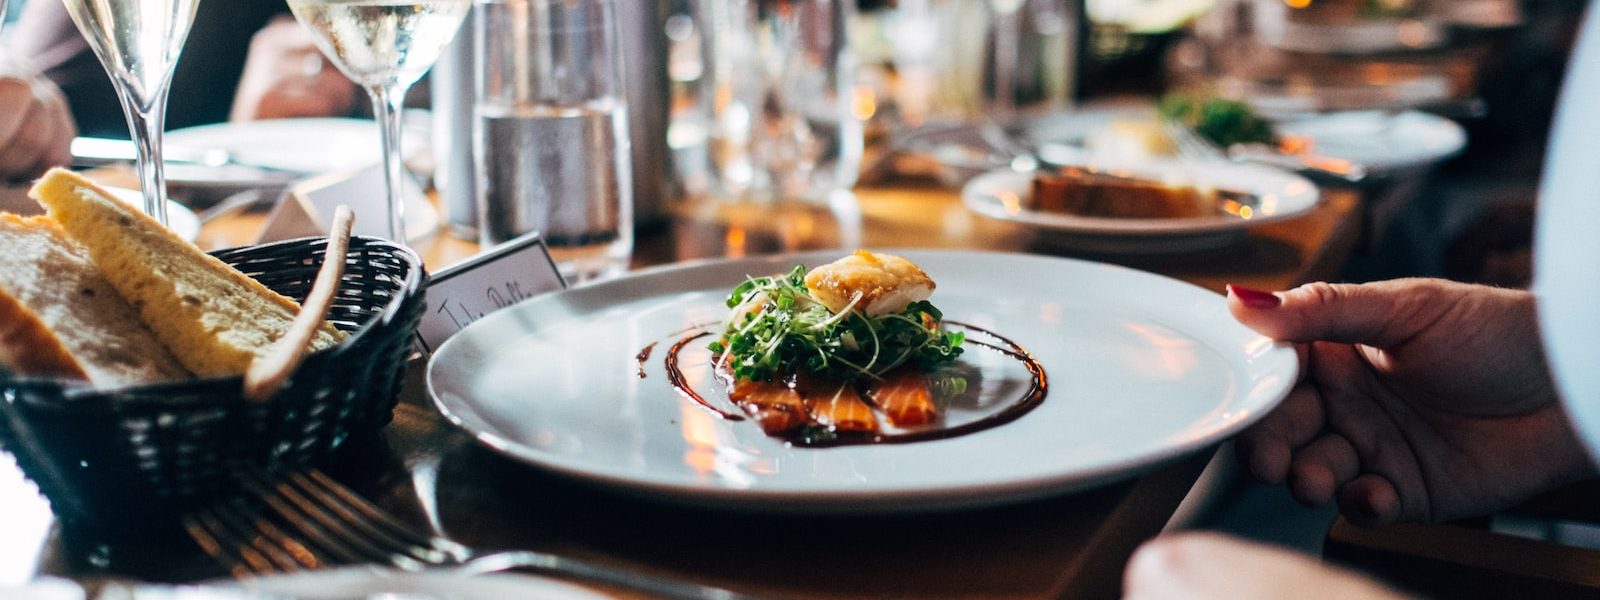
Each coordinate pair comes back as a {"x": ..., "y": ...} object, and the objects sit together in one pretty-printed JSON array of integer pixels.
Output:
[
  {"x": 905, "y": 399},
  {"x": 838, "y": 407},
  {"x": 773, "y": 405}
]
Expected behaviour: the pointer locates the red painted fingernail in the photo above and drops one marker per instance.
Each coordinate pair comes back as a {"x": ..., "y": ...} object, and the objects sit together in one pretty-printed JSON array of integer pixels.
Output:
[{"x": 1255, "y": 298}]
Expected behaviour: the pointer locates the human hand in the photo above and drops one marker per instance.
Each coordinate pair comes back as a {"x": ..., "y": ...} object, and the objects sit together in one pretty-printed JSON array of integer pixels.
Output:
[
  {"x": 1205, "y": 566},
  {"x": 36, "y": 127},
  {"x": 286, "y": 76},
  {"x": 1422, "y": 400}
]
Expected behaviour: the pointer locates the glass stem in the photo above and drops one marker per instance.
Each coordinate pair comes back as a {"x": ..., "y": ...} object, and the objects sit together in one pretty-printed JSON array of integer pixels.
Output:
[
  {"x": 1007, "y": 50},
  {"x": 148, "y": 123},
  {"x": 387, "y": 102}
]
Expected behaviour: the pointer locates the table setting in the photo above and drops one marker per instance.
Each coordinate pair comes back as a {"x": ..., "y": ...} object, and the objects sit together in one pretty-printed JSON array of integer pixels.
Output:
[{"x": 583, "y": 436}]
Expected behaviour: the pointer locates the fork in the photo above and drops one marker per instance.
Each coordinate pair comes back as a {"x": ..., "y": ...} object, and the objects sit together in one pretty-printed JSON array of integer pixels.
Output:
[
  {"x": 1189, "y": 144},
  {"x": 1195, "y": 147},
  {"x": 307, "y": 520}
]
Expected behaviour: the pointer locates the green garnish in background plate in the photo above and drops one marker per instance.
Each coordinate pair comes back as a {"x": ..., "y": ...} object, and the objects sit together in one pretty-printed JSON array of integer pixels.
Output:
[{"x": 1225, "y": 122}]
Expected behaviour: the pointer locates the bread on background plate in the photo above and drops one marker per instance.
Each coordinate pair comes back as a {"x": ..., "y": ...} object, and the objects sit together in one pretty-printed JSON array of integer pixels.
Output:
[
  {"x": 60, "y": 318},
  {"x": 213, "y": 318}
]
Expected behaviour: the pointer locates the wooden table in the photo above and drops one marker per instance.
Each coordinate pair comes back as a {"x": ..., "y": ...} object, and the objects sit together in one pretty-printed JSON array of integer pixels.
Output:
[{"x": 1070, "y": 546}]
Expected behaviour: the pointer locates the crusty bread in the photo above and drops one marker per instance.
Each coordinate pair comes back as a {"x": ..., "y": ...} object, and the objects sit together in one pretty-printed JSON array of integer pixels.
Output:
[
  {"x": 212, "y": 317},
  {"x": 60, "y": 318}
]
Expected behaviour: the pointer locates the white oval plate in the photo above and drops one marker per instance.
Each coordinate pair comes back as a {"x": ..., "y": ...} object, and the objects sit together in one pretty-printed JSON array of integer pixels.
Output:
[
  {"x": 182, "y": 221},
  {"x": 1141, "y": 369},
  {"x": 373, "y": 582},
  {"x": 1006, "y": 194},
  {"x": 1383, "y": 142}
]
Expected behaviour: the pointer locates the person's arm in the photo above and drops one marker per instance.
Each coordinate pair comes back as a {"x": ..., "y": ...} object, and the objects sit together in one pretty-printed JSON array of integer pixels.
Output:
[
  {"x": 1421, "y": 400},
  {"x": 36, "y": 127}
]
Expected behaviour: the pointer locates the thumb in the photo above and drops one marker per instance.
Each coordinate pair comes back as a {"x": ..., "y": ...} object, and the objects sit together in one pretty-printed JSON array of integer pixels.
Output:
[{"x": 1383, "y": 314}]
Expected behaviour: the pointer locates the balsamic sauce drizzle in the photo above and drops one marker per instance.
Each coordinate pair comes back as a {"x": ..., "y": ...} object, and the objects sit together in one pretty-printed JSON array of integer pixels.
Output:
[
  {"x": 1038, "y": 389},
  {"x": 643, "y": 356},
  {"x": 681, "y": 383}
]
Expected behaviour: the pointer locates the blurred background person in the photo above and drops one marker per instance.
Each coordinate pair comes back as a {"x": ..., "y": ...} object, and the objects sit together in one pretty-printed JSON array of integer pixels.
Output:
[
  {"x": 285, "y": 76},
  {"x": 256, "y": 63}
]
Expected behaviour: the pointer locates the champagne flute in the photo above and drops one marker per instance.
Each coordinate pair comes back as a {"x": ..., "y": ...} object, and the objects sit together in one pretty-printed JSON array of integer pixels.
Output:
[
  {"x": 384, "y": 46},
  {"x": 138, "y": 42}
]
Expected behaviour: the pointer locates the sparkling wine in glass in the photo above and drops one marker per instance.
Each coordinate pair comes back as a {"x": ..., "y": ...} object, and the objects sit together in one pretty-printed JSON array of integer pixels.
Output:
[
  {"x": 138, "y": 42},
  {"x": 384, "y": 46}
]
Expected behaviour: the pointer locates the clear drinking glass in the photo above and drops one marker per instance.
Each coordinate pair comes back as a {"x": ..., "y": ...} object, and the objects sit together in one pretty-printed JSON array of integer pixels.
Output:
[
  {"x": 1007, "y": 52},
  {"x": 138, "y": 42},
  {"x": 551, "y": 135},
  {"x": 781, "y": 112},
  {"x": 384, "y": 46}
]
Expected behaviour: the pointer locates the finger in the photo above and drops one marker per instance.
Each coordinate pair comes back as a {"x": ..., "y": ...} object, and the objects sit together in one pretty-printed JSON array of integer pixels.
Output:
[
  {"x": 1381, "y": 314},
  {"x": 58, "y": 149},
  {"x": 1371, "y": 500},
  {"x": 1267, "y": 447},
  {"x": 23, "y": 148},
  {"x": 66, "y": 129},
  {"x": 1321, "y": 467},
  {"x": 13, "y": 92}
]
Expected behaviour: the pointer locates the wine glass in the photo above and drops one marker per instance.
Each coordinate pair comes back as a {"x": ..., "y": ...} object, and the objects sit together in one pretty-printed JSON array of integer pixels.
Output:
[
  {"x": 138, "y": 42},
  {"x": 384, "y": 46}
]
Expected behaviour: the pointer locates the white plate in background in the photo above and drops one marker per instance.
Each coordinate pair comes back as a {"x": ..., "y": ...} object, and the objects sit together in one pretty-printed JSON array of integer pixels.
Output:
[
  {"x": 270, "y": 153},
  {"x": 182, "y": 221},
  {"x": 1384, "y": 142},
  {"x": 319, "y": 145},
  {"x": 1006, "y": 195},
  {"x": 1381, "y": 141},
  {"x": 1141, "y": 369}
]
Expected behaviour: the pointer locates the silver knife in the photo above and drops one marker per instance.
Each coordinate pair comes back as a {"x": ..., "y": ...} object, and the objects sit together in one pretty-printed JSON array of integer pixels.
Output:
[{"x": 94, "y": 152}]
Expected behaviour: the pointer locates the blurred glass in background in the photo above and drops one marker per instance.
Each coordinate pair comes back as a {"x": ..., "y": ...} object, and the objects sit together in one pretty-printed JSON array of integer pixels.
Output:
[
  {"x": 765, "y": 105},
  {"x": 765, "y": 124}
]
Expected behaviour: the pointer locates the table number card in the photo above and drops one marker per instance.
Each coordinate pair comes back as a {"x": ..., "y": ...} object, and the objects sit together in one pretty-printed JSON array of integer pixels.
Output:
[
  {"x": 511, "y": 272},
  {"x": 307, "y": 208}
]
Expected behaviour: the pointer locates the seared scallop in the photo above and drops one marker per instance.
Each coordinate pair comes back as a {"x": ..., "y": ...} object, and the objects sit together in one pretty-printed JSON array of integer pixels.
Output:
[{"x": 874, "y": 284}]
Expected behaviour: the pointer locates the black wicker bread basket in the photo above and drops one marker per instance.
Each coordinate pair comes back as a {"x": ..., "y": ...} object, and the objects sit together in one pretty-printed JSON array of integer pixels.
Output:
[{"x": 137, "y": 457}]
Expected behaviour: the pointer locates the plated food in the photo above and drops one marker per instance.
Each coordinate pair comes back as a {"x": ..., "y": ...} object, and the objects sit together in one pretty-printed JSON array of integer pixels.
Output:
[
  {"x": 848, "y": 352},
  {"x": 1141, "y": 369},
  {"x": 1267, "y": 195},
  {"x": 99, "y": 291},
  {"x": 1095, "y": 193},
  {"x": 1225, "y": 123}
]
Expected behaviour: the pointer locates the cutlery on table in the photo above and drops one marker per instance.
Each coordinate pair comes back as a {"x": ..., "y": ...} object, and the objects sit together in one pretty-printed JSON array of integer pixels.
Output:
[
  {"x": 1321, "y": 169},
  {"x": 94, "y": 152},
  {"x": 303, "y": 521}
]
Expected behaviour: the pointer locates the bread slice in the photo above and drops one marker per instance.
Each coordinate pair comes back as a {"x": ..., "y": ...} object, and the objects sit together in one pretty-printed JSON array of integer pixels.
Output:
[
  {"x": 60, "y": 318},
  {"x": 212, "y": 317}
]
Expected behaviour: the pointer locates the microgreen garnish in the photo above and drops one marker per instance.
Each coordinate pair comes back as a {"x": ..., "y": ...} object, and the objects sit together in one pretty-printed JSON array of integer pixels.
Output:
[{"x": 775, "y": 327}]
